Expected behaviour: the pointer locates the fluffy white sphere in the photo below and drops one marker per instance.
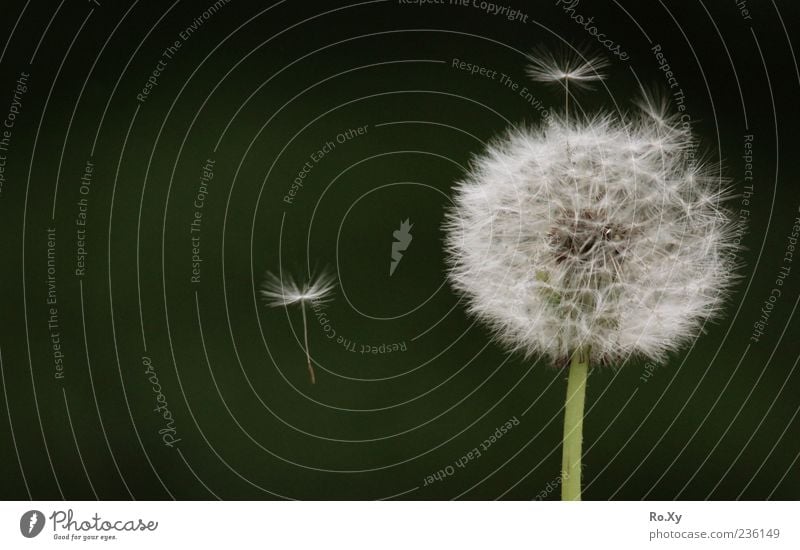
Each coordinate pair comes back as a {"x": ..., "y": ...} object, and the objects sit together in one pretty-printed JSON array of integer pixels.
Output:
[{"x": 601, "y": 233}]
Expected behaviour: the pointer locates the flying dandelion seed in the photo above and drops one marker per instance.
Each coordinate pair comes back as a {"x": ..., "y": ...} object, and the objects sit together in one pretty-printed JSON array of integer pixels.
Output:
[
  {"x": 582, "y": 69},
  {"x": 591, "y": 241},
  {"x": 284, "y": 291},
  {"x": 568, "y": 67}
]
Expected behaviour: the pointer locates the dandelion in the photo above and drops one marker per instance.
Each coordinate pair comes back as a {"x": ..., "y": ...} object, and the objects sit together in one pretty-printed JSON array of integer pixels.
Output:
[
  {"x": 591, "y": 242},
  {"x": 283, "y": 291}
]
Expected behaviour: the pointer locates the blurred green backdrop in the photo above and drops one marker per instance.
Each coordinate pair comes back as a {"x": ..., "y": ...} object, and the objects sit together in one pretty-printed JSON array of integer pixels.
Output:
[{"x": 258, "y": 90}]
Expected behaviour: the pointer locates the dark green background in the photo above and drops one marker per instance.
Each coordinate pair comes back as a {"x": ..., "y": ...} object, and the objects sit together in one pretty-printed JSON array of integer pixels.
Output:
[{"x": 706, "y": 425}]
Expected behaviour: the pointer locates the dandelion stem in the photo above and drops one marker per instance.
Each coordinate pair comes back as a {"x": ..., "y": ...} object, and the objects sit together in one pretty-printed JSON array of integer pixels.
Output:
[
  {"x": 573, "y": 426},
  {"x": 305, "y": 337}
]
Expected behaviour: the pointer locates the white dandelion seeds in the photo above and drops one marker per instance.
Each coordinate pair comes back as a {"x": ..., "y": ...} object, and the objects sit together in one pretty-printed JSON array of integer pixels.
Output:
[
  {"x": 282, "y": 291},
  {"x": 592, "y": 240},
  {"x": 624, "y": 249}
]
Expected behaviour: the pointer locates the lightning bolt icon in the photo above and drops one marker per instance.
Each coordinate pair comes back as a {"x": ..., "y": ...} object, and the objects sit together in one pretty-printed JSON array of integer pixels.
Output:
[
  {"x": 402, "y": 239},
  {"x": 33, "y": 521}
]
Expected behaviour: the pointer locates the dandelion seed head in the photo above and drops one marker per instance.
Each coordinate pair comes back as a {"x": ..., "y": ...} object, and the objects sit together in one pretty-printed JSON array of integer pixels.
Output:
[
  {"x": 600, "y": 232},
  {"x": 284, "y": 290}
]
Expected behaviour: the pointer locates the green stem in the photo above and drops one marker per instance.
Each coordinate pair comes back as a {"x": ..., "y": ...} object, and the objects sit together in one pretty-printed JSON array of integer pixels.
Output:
[{"x": 573, "y": 426}]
